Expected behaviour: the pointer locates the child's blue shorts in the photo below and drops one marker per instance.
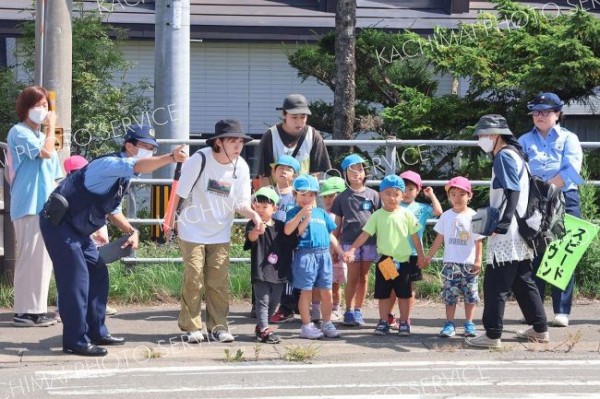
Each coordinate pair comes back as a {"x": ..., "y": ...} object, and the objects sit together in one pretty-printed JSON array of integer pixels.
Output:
[{"x": 312, "y": 268}]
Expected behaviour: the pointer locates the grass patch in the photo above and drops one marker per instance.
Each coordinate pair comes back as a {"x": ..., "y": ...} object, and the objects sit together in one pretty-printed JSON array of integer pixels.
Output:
[
  {"x": 301, "y": 353},
  {"x": 238, "y": 357}
]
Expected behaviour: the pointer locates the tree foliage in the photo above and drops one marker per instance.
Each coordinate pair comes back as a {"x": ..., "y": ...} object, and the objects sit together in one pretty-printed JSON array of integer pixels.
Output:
[
  {"x": 102, "y": 97},
  {"x": 504, "y": 59}
]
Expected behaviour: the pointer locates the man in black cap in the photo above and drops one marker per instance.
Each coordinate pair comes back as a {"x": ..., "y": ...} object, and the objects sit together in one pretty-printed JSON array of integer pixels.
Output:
[
  {"x": 304, "y": 143},
  {"x": 293, "y": 137},
  {"x": 215, "y": 184}
]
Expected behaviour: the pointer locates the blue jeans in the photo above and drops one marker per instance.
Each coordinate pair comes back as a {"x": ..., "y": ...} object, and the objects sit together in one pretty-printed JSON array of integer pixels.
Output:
[{"x": 561, "y": 300}]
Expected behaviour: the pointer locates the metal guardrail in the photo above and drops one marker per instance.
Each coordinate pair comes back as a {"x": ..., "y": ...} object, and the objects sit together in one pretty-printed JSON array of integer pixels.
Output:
[{"x": 391, "y": 158}]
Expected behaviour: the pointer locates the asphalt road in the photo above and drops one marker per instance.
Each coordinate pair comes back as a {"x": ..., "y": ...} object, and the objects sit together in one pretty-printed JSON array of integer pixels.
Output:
[{"x": 156, "y": 364}]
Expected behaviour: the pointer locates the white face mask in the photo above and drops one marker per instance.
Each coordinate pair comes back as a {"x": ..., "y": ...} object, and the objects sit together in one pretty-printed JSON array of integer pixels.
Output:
[
  {"x": 486, "y": 143},
  {"x": 38, "y": 114},
  {"x": 143, "y": 153}
]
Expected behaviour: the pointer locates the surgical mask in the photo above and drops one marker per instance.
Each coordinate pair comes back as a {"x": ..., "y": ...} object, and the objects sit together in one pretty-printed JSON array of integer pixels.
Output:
[
  {"x": 486, "y": 143},
  {"x": 38, "y": 114},
  {"x": 143, "y": 153}
]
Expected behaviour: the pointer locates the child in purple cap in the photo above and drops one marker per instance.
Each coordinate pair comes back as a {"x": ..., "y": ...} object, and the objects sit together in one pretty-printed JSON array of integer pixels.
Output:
[{"x": 462, "y": 256}]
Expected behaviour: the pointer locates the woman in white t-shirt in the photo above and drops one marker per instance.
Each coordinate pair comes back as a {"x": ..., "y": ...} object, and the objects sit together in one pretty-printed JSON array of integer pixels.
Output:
[{"x": 508, "y": 265}]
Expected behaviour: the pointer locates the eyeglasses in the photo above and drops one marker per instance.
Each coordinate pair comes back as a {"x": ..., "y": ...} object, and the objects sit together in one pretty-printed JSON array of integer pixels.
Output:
[{"x": 542, "y": 113}]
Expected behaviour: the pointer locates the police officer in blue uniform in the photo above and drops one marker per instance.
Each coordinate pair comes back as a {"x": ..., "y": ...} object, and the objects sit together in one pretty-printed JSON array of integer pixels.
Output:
[{"x": 78, "y": 207}]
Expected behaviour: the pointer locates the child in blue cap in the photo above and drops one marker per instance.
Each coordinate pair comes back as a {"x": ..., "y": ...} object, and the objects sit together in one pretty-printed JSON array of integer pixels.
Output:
[
  {"x": 393, "y": 225},
  {"x": 312, "y": 265},
  {"x": 352, "y": 209}
]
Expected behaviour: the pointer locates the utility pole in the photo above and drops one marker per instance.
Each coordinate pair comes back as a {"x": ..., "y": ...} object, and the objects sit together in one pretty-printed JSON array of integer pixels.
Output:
[
  {"x": 53, "y": 61},
  {"x": 171, "y": 87}
]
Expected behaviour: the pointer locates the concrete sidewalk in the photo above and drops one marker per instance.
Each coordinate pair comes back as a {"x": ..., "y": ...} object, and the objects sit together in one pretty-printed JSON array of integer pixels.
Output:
[{"x": 153, "y": 336}]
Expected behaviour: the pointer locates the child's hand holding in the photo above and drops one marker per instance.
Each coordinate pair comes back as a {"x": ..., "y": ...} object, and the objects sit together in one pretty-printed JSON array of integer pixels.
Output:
[
  {"x": 476, "y": 268},
  {"x": 421, "y": 262},
  {"x": 349, "y": 255}
]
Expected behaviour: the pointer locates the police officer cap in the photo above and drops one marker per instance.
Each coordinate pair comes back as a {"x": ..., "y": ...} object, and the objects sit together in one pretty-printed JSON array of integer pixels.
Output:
[
  {"x": 142, "y": 133},
  {"x": 545, "y": 101}
]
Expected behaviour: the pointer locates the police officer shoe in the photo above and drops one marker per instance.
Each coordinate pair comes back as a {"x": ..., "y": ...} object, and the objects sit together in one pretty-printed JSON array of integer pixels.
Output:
[
  {"x": 87, "y": 350},
  {"x": 109, "y": 340}
]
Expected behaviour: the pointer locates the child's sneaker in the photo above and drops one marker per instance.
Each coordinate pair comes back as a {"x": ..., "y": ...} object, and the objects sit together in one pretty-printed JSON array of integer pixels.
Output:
[
  {"x": 349, "y": 318},
  {"x": 470, "y": 330},
  {"x": 309, "y": 331},
  {"x": 267, "y": 336},
  {"x": 404, "y": 329},
  {"x": 391, "y": 318},
  {"x": 448, "y": 331},
  {"x": 358, "y": 318},
  {"x": 315, "y": 315},
  {"x": 279, "y": 317},
  {"x": 532, "y": 335},
  {"x": 383, "y": 328},
  {"x": 329, "y": 330},
  {"x": 336, "y": 315},
  {"x": 483, "y": 342}
]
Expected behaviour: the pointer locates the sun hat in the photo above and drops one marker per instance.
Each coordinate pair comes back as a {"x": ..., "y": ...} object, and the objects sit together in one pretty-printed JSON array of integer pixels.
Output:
[
  {"x": 269, "y": 193},
  {"x": 74, "y": 162},
  {"x": 459, "y": 182},
  {"x": 295, "y": 104},
  {"x": 352, "y": 159},
  {"x": 392, "y": 181},
  {"x": 544, "y": 102},
  {"x": 413, "y": 177},
  {"x": 332, "y": 185},
  {"x": 228, "y": 128},
  {"x": 288, "y": 160},
  {"x": 306, "y": 182},
  {"x": 492, "y": 124}
]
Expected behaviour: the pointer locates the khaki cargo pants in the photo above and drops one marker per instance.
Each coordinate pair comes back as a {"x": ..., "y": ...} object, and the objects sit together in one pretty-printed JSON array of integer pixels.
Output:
[{"x": 206, "y": 273}]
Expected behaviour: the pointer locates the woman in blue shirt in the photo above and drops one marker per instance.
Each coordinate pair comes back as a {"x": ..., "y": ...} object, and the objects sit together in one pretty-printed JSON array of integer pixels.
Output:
[
  {"x": 555, "y": 155},
  {"x": 33, "y": 168}
]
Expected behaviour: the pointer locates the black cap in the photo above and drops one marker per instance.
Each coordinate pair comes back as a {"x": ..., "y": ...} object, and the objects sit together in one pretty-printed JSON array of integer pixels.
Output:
[
  {"x": 492, "y": 124},
  {"x": 295, "y": 104},
  {"x": 228, "y": 128}
]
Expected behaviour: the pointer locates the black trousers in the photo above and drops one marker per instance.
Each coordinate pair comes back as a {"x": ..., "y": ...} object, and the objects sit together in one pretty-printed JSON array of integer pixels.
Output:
[{"x": 502, "y": 278}]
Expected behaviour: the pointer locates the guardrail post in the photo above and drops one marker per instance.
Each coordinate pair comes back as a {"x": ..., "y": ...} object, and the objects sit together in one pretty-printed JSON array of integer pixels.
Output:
[{"x": 390, "y": 157}]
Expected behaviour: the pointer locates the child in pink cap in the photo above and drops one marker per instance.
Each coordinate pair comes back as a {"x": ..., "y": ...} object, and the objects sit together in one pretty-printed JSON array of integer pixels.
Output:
[{"x": 462, "y": 256}]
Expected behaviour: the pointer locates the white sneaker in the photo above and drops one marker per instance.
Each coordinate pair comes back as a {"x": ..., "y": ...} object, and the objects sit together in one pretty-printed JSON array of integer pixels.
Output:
[
  {"x": 223, "y": 336},
  {"x": 193, "y": 336},
  {"x": 532, "y": 335},
  {"x": 329, "y": 330},
  {"x": 560, "y": 320},
  {"x": 309, "y": 331},
  {"x": 336, "y": 315},
  {"x": 483, "y": 342}
]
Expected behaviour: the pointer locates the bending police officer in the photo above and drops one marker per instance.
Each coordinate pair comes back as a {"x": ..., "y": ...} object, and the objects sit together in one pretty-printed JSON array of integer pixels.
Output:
[{"x": 78, "y": 207}]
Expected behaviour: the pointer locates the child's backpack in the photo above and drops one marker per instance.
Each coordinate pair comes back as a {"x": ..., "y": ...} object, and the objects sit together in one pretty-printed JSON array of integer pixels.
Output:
[{"x": 544, "y": 218}]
